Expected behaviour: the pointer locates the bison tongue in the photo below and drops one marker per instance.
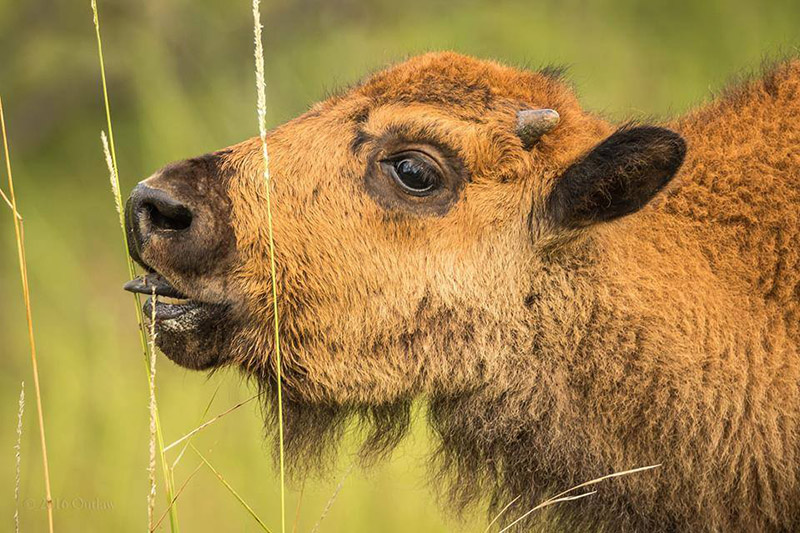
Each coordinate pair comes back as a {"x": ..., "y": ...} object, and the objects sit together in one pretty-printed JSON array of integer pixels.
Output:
[{"x": 151, "y": 283}]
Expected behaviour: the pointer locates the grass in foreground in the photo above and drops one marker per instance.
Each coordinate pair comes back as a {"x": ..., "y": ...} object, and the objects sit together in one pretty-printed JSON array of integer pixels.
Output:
[
  {"x": 18, "y": 456},
  {"x": 148, "y": 348},
  {"x": 23, "y": 270},
  {"x": 151, "y": 466},
  {"x": 262, "y": 130},
  {"x": 111, "y": 159},
  {"x": 565, "y": 496},
  {"x": 231, "y": 489}
]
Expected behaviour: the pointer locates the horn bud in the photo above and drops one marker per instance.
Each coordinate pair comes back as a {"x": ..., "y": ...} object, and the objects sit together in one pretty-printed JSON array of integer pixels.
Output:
[{"x": 533, "y": 123}]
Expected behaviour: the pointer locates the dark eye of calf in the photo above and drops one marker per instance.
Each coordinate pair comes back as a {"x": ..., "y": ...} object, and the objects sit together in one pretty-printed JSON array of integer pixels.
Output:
[
  {"x": 416, "y": 177},
  {"x": 414, "y": 173}
]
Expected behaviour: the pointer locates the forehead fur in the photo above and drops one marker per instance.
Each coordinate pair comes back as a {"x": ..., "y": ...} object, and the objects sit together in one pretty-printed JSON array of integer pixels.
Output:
[
  {"x": 467, "y": 104},
  {"x": 462, "y": 83},
  {"x": 464, "y": 88}
]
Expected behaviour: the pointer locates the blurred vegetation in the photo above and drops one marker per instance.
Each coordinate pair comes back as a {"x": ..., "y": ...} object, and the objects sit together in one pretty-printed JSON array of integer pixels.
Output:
[{"x": 181, "y": 83}]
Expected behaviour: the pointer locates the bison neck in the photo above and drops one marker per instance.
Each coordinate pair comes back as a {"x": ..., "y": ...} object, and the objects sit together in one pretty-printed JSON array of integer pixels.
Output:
[{"x": 635, "y": 354}]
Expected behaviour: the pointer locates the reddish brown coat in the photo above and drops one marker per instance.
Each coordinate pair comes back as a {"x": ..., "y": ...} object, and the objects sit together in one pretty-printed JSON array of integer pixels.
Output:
[{"x": 547, "y": 356}]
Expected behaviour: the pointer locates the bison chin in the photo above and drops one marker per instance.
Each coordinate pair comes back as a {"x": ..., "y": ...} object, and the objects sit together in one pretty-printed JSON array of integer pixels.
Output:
[
  {"x": 196, "y": 339},
  {"x": 192, "y": 333}
]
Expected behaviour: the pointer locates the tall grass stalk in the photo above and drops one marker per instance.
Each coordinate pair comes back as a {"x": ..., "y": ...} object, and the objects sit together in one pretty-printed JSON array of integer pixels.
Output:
[
  {"x": 111, "y": 159},
  {"x": 149, "y": 353},
  {"x": 151, "y": 467},
  {"x": 18, "y": 456},
  {"x": 262, "y": 130},
  {"x": 23, "y": 271}
]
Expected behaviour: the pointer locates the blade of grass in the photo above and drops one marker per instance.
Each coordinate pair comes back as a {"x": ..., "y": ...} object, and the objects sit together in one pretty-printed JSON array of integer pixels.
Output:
[
  {"x": 188, "y": 479},
  {"x": 186, "y": 445},
  {"x": 18, "y": 456},
  {"x": 332, "y": 499},
  {"x": 23, "y": 270},
  {"x": 111, "y": 159},
  {"x": 562, "y": 496},
  {"x": 262, "y": 129},
  {"x": 209, "y": 422},
  {"x": 177, "y": 494},
  {"x": 231, "y": 489}
]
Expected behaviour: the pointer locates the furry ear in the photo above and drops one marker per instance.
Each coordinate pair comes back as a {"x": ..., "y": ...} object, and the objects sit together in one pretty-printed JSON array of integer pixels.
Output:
[{"x": 617, "y": 177}]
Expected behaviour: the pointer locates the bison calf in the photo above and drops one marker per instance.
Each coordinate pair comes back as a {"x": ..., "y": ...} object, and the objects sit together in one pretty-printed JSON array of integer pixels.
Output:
[{"x": 568, "y": 297}]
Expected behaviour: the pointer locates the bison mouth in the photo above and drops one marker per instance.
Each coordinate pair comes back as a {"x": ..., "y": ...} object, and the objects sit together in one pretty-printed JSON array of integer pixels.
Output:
[
  {"x": 171, "y": 304},
  {"x": 190, "y": 332}
]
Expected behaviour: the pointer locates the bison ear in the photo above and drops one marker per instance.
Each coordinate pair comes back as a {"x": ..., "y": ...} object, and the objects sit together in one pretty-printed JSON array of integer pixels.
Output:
[{"x": 617, "y": 177}]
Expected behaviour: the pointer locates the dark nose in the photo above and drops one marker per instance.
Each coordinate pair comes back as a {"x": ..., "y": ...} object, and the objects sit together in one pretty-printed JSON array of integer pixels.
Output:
[{"x": 152, "y": 212}]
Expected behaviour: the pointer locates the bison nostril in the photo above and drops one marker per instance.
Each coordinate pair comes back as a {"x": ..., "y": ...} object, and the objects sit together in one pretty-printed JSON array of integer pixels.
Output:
[
  {"x": 151, "y": 211},
  {"x": 166, "y": 215}
]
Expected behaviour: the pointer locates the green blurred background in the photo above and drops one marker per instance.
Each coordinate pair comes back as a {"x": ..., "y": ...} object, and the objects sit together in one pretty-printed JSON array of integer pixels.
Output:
[{"x": 181, "y": 83}]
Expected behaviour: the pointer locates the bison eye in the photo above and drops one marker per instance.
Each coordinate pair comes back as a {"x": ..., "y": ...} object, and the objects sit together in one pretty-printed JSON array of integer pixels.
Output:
[{"x": 413, "y": 172}]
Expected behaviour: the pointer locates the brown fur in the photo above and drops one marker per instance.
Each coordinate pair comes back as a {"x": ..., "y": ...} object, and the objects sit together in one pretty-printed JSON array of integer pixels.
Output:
[{"x": 547, "y": 356}]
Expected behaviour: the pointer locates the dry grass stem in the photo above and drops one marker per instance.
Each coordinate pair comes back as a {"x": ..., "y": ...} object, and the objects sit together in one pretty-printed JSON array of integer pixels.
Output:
[
  {"x": 23, "y": 270},
  {"x": 231, "y": 489},
  {"x": 332, "y": 499},
  {"x": 498, "y": 515},
  {"x": 566, "y": 499},
  {"x": 209, "y": 422},
  {"x": 151, "y": 468},
  {"x": 262, "y": 130},
  {"x": 297, "y": 508},
  {"x": 8, "y": 202},
  {"x": 112, "y": 176},
  {"x": 562, "y": 496},
  {"x": 18, "y": 456}
]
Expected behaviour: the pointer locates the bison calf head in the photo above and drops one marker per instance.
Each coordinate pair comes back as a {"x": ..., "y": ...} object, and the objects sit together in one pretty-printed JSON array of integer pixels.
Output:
[{"x": 412, "y": 214}]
